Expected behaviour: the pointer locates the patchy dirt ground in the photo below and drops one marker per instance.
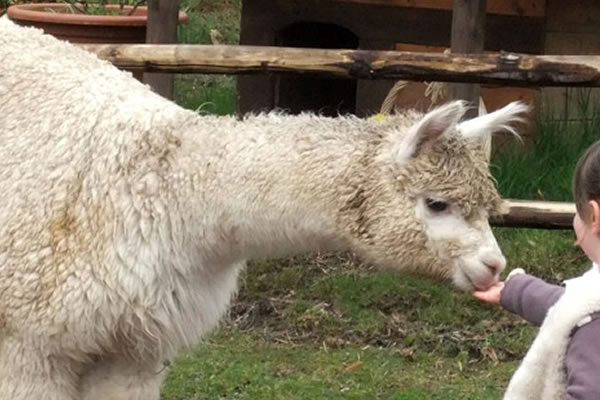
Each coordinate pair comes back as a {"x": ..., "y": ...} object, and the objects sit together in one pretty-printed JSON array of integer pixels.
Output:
[{"x": 334, "y": 301}]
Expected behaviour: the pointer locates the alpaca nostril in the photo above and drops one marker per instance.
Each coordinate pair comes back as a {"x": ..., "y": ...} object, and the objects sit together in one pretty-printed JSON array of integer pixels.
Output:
[
  {"x": 495, "y": 265},
  {"x": 492, "y": 267},
  {"x": 493, "y": 260}
]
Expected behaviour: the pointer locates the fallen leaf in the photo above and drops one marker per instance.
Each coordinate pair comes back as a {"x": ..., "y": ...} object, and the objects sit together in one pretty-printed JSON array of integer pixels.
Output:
[{"x": 353, "y": 367}]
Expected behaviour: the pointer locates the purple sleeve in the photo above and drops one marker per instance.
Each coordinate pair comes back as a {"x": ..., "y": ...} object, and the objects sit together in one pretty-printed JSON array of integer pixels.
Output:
[
  {"x": 529, "y": 297},
  {"x": 583, "y": 363}
]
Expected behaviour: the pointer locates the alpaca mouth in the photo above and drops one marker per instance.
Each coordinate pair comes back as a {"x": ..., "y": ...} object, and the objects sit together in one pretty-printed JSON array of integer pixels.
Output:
[
  {"x": 484, "y": 286},
  {"x": 476, "y": 284},
  {"x": 470, "y": 281}
]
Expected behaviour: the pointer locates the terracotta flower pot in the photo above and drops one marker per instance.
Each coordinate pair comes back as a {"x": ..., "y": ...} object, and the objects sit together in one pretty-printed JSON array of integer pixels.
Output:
[{"x": 58, "y": 20}]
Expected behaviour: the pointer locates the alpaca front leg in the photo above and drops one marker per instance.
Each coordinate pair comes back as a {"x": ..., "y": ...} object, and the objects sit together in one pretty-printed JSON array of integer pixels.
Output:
[
  {"x": 27, "y": 373},
  {"x": 122, "y": 380}
]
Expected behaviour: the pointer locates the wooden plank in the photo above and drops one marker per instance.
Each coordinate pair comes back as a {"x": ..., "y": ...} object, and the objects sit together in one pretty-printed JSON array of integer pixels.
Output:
[
  {"x": 264, "y": 18},
  {"x": 495, "y": 32},
  {"x": 575, "y": 16},
  {"x": 568, "y": 43},
  {"x": 422, "y": 48},
  {"x": 163, "y": 17},
  {"x": 377, "y": 28},
  {"x": 468, "y": 33},
  {"x": 505, "y": 68},
  {"x": 553, "y": 102},
  {"x": 371, "y": 93},
  {"x": 528, "y": 8},
  {"x": 256, "y": 92},
  {"x": 494, "y": 97},
  {"x": 536, "y": 214},
  {"x": 564, "y": 102},
  {"x": 520, "y": 34}
]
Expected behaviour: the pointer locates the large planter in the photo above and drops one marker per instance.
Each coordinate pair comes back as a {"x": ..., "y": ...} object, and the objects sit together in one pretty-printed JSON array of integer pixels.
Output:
[{"x": 58, "y": 20}]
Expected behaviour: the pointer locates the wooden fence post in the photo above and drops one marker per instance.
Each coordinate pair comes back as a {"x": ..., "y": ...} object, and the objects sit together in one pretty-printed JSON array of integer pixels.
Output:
[
  {"x": 162, "y": 29},
  {"x": 468, "y": 34}
]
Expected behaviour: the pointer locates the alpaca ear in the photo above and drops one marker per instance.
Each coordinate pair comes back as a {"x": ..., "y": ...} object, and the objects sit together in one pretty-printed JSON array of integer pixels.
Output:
[
  {"x": 433, "y": 125},
  {"x": 499, "y": 120}
]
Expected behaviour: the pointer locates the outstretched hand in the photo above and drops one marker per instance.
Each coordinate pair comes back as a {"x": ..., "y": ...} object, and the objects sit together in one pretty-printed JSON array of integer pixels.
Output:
[{"x": 491, "y": 294}]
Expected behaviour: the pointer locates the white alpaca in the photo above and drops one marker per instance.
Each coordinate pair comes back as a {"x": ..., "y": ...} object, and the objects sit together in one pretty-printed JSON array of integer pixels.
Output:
[{"x": 125, "y": 219}]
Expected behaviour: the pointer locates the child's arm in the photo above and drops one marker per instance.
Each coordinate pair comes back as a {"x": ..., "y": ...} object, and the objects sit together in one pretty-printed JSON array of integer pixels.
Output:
[
  {"x": 523, "y": 294},
  {"x": 530, "y": 297}
]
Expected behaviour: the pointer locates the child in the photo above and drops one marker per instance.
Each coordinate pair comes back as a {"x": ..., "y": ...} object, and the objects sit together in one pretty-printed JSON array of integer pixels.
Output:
[{"x": 564, "y": 359}]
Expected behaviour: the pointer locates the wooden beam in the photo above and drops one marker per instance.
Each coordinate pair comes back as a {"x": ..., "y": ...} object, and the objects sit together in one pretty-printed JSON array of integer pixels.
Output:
[
  {"x": 531, "y": 8},
  {"x": 536, "y": 214},
  {"x": 505, "y": 68},
  {"x": 163, "y": 18},
  {"x": 467, "y": 37}
]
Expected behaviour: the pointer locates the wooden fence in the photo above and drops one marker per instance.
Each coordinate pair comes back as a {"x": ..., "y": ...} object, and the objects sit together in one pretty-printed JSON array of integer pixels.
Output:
[
  {"x": 465, "y": 65},
  {"x": 506, "y": 68}
]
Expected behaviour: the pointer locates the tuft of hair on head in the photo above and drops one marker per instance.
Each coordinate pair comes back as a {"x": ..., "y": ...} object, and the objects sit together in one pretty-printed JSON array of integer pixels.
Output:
[
  {"x": 426, "y": 131},
  {"x": 586, "y": 180},
  {"x": 503, "y": 119}
]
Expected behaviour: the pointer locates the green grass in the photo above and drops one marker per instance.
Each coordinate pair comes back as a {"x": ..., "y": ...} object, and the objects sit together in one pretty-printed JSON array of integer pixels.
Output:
[
  {"x": 206, "y": 94},
  {"x": 544, "y": 169},
  {"x": 382, "y": 308},
  {"x": 234, "y": 365},
  {"x": 213, "y": 94},
  {"x": 298, "y": 326},
  {"x": 327, "y": 326}
]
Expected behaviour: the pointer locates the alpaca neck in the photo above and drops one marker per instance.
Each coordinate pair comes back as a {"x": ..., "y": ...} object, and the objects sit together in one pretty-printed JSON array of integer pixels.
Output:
[{"x": 270, "y": 189}]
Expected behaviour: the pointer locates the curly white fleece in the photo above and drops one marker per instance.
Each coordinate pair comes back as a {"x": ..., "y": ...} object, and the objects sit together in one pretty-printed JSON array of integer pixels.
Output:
[{"x": 125, "y": 219}]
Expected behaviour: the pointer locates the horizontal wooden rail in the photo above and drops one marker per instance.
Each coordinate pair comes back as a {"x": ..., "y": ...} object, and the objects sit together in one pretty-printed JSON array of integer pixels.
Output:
[
  {"x": 537, "y": 214},
  {"x": 504, "y": 68}
]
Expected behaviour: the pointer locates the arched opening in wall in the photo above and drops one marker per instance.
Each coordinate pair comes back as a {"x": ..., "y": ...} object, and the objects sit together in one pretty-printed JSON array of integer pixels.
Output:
[{"x": 327, "y": 96}]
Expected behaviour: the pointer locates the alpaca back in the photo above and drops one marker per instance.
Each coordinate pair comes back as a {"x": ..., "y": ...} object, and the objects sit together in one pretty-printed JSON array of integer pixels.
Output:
[{"x": 82, "y": 144}]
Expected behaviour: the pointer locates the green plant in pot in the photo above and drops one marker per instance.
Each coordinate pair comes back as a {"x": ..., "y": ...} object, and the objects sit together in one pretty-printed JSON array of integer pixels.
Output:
[
  {"x": 86, "y": 21},
  {"x": 4, "y": 4},
  {"x": 97, "y": 7},
  {"x": 104, "y": 7}
]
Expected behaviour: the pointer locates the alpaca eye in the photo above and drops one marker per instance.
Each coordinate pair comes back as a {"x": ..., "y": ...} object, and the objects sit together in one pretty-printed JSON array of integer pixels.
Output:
[{"x": 436, "y": 205}]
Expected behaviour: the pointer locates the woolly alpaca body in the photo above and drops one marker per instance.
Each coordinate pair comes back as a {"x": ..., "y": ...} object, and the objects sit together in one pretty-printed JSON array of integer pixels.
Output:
[{"x": 125, "y": 219}]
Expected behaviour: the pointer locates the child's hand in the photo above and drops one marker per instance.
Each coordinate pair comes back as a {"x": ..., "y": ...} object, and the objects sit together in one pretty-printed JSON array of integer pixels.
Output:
[{"x": 491, "y": 294}]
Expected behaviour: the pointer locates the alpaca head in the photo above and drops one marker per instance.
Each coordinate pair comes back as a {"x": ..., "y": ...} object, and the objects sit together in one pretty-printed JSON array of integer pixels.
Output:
[{"x": 424, "y": 195}]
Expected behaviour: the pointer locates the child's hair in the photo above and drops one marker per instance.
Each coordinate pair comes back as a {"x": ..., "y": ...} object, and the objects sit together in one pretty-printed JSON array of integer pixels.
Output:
[{"x": 586, "y": 180}]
